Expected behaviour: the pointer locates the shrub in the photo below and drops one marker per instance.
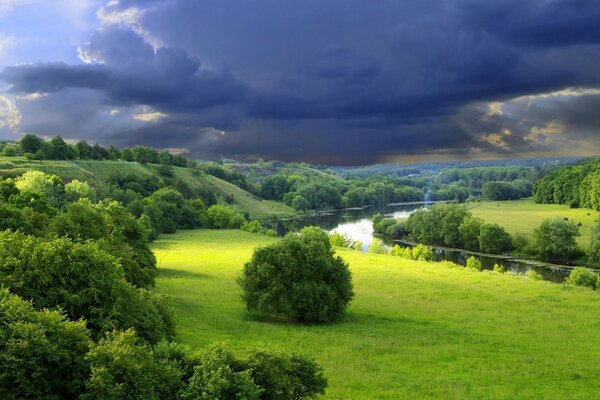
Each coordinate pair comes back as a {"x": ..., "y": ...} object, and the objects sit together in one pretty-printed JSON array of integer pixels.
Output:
[
  {"x": 533, "y": 274},
  {"x": 338, "y": 239},
  {"x": 251, "y": 226},
  {"x": 41, "y": 352},
  {"x": 494, "y": 239},
  {"x": 473, "y": 263},
  {"x": 298, "y": 277},
  {"x": 555, "y": 239},
  {"x": 220, "y": 216},
  {"x": 270, "y": 233},
  {"x": 286, "y": 377},
  {"x": 422, "y": 252},
  {"x": 377, "y": 247},
  {"x": 581, "y": 276},
  {"x": 500, "y": 268}
]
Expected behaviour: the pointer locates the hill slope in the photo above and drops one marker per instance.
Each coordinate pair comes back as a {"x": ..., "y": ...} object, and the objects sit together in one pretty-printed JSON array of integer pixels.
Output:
[
  {"x": 98, "y": 172},
  {"x": 415, "y": 330}
]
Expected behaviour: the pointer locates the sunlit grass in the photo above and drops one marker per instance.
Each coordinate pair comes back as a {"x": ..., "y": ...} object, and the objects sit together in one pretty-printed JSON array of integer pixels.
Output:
[
  {"x": 415, "y": 330},
  {"x": 523, "y": 216}
]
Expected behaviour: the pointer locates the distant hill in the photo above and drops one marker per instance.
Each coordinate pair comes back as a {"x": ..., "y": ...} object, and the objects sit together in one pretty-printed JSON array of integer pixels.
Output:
[{"x": 97, "y": 172}]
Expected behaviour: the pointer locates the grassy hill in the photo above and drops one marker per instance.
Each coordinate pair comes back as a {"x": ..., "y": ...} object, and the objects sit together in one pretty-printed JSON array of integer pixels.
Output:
[
  {"x": 97, "y": 172},
  {"x": 415, "y": 330},
  {"x": 523, "y": 216}
]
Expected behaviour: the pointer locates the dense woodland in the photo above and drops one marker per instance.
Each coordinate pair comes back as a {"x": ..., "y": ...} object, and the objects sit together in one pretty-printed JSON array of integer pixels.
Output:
[{"x": 575, "y": 185}]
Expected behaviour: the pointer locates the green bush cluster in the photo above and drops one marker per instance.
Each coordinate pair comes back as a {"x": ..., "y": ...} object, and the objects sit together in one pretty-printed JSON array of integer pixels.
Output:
[
  {"x": 418, "y": 252},
  {"x": 298, "y": 277}
]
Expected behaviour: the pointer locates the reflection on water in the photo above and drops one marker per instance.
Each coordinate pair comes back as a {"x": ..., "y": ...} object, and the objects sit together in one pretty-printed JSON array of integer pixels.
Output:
[{"x": 356, "y": 223}]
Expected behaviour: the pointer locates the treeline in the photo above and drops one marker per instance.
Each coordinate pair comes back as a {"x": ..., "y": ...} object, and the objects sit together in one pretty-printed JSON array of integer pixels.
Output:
[
  {"x": 79, "y": 318},
  {"x": 576, "y": 185},
  {"x": 452, "y": 225}
]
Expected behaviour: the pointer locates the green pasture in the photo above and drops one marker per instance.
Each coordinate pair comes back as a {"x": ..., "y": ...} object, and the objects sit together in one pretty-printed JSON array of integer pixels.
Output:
[
  {"x": 523, "y": 216},
  {"x": 415, "y": 330}
]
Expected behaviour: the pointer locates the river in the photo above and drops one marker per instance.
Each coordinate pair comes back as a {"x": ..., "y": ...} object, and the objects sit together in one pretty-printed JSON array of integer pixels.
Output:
[{"x": 356, "y": 223}]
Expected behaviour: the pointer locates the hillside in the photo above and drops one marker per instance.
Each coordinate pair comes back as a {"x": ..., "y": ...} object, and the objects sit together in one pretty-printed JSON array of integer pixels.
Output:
[
  {"x": 415, "y": 330},
  {"x": 98, "y": 172}
]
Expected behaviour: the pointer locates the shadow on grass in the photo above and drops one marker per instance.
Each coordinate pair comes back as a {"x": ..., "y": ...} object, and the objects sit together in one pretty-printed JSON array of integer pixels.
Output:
[{"x": 179, "y": 273}]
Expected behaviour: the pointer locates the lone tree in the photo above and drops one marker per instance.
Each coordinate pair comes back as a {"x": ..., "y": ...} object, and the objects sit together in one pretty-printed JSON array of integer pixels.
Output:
[{"x": 298, "y": 277}]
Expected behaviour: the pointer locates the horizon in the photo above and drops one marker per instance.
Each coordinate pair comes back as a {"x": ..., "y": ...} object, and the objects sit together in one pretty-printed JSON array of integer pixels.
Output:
[{"x": 324, "y": 82}]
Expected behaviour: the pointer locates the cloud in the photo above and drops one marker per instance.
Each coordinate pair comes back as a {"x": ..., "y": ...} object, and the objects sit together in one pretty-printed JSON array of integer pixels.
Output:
[
  {"x": 343, "y": 82},
  {"x": 10, "y": 116}
]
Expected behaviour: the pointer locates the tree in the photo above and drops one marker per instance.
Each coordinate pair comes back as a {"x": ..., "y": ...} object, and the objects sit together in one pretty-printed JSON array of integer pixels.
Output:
[
  {"x": 555, "y": 239},
  {"x": 49, "y": 187},
  {"x": 300, "y": 203},
  {"x": 286, "y": 377},
  {"x": 41, "y": 352},
  {"x": 469, "y": 233},
  {"x": 494, "y": 239},
  {"x": 298, "y": 277},
  {"x": 594, "y": 251},
  {"x": 123, "y": 367},
  {"x": 220, "y": 216},
  {"x": 31, "y": 143}
]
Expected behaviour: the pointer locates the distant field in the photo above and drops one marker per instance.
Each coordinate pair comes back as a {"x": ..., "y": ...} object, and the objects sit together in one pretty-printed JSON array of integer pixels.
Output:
[
  {"x": 523, "y": 216},
  {"x": 415, "y": 330},
  {"x": 97, "y": 172}
]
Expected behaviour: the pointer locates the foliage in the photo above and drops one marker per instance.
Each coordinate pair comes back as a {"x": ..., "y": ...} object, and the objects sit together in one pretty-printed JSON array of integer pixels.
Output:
[
  {"x": 41, "y": 352},
  {"x": 469, "y": 231},
  {"x": 533, "y": 274},
  {"x": 338, "y": 239},
  {"x": 473, "y": 263},
  {"x": 494, "y": 239},
  {"x": 220, "y": 216},
  {"x": 298, "y": 277},
  {"x": 377, "y": 247},
  {"x": 419, "y": 252},
  {"x": 123, "y": 367},
  {"x": 575, "y": 185},
  {"x": 555, "y": 239},
  {"x": 500, "y": 268},
  {"x": 284, "y": 377},
  {"x": 581, "y": 276},
  {"x": 251, "y": 226},
  {"x": 215, "y": 377},
  {"x": 498, "y": 190},
  {"x": 81, "y": 279}
]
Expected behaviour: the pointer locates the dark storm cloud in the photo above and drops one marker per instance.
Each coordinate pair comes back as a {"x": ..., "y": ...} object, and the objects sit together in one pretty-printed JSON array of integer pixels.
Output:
[
  {"x": 345, "y": 81},
  {"x": 129, "y": 71}
]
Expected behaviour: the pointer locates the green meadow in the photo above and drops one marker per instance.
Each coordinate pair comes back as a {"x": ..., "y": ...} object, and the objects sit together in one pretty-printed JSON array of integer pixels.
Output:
[
  {"x": 415, "y": 330},
  {"x": 523, "y": 216}
]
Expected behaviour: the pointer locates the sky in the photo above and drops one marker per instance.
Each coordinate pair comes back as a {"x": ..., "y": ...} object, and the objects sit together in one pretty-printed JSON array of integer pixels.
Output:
[{"x": 345, "y": 82}]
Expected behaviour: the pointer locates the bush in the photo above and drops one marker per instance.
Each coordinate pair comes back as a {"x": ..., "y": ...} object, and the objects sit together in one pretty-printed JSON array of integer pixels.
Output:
[
  {"x": 122, "y": 367},
  {"x": 581, "y": 276},
  {"x": 555, "y": 239},
  {"x": 377, "y": 247},
  {"x": 533, "y": 274},
  {"x": 220, "y": 216},
  {"x": 286, "y": 377},
  {"x": 41, "y": 352},
  {"x": 494, "y": 239},
  {"x": 298, "y": 277},
  {"x": 338, "y": 239},
  {"x": 500, "y": 269},
  {"x": 270, "y": 233},
  {"x": 251, "y": 226},
  {"x": 473, "y": 263}
]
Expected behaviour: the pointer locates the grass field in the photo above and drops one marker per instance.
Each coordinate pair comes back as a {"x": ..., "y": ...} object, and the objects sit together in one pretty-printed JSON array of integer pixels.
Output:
[
  {"x": 523, "y": 216},
  {"x": 97, "y": 172},
  {"x": 415, "y": 330}
]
